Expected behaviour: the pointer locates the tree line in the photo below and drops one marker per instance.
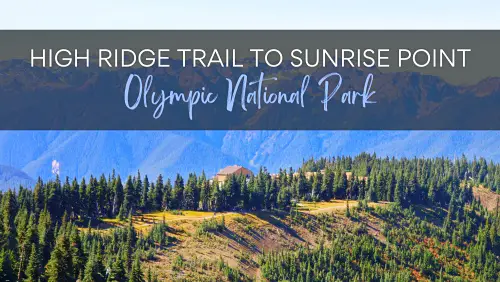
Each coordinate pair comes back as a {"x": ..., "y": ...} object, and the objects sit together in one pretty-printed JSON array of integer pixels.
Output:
[
  {"x": 465, "y": 248},
  {"x": 366, "y": 176},
  {"x": 41, "y": 240}
]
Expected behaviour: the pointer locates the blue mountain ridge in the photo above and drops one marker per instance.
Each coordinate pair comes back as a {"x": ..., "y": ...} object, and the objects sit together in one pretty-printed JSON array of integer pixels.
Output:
[
  {"x": 85, "y": 153},
  {"x": 11, "y": 178}
]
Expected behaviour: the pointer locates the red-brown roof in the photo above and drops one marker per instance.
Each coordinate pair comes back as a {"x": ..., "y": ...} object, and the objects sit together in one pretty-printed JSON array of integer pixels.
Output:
[{"x": 229, "y": 170}]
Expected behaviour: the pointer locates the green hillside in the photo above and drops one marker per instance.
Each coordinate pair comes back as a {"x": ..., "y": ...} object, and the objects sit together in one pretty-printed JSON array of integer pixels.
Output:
[{"x": 359, "y": 219}]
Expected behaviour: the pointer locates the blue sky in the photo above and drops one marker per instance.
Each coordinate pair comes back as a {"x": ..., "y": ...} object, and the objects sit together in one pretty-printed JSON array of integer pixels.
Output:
[{"x": 257, "y": 14}]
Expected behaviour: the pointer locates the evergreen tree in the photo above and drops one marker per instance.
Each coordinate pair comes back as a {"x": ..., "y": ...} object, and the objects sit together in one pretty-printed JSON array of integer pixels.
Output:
[
  {"x": 167, "y": 195},
  {"x": 94, "y": 271},
  {"x": 245, "y": 194},
  {"x": 83, "y": 200},
  {"x": 138, "y": 191},
  {"x": 117, "y": 272},
  {"x": 9, "y": 210},
  {"x": 189, "y": 200},
  {"x": 327, "y": 184},
  {"x": 33, "y": 270},
  {"x": 204, "y": 188},
  {"x": 315, "y": 188},
  {"x": 144, "y": 195},
  {"x": 25, "y": 239},
  {"x": 38, "y": 199},
  {"x": 178, "y": 192},
  {"x": 398, "y": 192},
  {"x": 118, "y": 196},
  {"x": 6, "y": 267},
  {"x": 59, "y": 267},
  {"x": 136, "y": 274},
  {"x": 77, "y": 254},
  {"x": 91, "y": 198},
  {"x": 129, "y": 196},
  {"x": 160, "y": 204}
]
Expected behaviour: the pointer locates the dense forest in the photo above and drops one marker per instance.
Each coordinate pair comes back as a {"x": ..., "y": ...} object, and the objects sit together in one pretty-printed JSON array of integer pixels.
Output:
[
  {"x": 46, "y": 232},
  {"x": 466, "y": 248}
]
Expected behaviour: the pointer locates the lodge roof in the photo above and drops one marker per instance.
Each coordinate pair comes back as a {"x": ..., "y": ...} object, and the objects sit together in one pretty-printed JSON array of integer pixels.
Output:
[{"x": 229, "y": 170}]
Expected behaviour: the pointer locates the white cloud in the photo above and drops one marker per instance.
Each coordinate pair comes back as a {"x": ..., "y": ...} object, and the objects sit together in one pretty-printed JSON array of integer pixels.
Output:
[{"x": 55, "y": 167}]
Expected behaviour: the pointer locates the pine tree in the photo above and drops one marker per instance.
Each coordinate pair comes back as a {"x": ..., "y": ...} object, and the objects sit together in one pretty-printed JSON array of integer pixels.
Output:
[
  {"x": 74, "y": 203},
  {"x": 144, "y": 195},
  {"x": 45, "y": 235},
  {"x": 204, "y": 188},
  {"x": 431, "y": 194},
  {"x": 152, "y": 206},
  {"x": 138, "y": 191},
  {"x": 391, "y": 186},
  {"x": 91, "y": 195},
  {"x": 284, "y": 199},
  {"x": 102, "y": 195},
  {"x": 66, "y": 197},
  {"x": 398, "y": 192},
  {"x": 33, "y": 269},
  {"x": 26, "y": 238},
  {"x": 245, "y": 193},
  {"x": 93, "y": 270},
  {"x": 54, "y": 198},
  {"x": 301, "y": 185},
  {"x": 167, "y": 195},
  {"x": 38, "y": 198},
  {"x": 160, "y": 189},
  {"x": 77, "y": 255},
  {"x": 178, "y": 192},
  {"x": 215, "y": 197},
  {"x": 131, "y": 239},
  {"x": 59, "y": 267},
  {"x": 9, "y": 210},
  {"x": 189, "y": 199},
  {"x": 6, "y": 267},
  {"x": 83, "y": 200},
  {"x": 327, "y": 184},
  {"x": 129, "y": 197},
  {"x": 136, "y": 274},
  {"x": 340, "y": 186},
  {"x": 117, "y": 272},
  {"x": 118, "y": 196},
  {"x": 315, "y": 188}
]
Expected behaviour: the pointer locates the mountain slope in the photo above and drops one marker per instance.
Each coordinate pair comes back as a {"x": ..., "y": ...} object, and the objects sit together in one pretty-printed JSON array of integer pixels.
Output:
[
  {"x": 82, "y": 153},
  {"x": 12, "y": 178}
]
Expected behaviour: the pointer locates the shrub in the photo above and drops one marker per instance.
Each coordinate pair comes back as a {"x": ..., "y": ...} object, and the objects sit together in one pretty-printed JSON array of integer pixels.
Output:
[{"x": 210, "y": 226}]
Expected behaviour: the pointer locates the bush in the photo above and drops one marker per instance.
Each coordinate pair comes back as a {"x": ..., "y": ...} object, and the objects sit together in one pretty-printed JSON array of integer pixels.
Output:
[
  {"x": 178, "y": 263},
  {"x": 210, "y": 226},
  {"x": 177, "y": 212},
  {"x": 242, "y": 220}
]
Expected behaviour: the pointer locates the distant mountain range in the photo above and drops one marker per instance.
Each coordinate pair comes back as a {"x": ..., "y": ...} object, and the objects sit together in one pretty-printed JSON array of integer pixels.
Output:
[
  {"x": 93, "y": 98},
  {"x": 11, "y": 178},
  {"x": 82, "y": 153}
]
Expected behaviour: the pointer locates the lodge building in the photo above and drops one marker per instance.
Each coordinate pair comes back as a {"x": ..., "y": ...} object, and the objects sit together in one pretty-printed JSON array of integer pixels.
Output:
[{"x": 236, "y": 170}]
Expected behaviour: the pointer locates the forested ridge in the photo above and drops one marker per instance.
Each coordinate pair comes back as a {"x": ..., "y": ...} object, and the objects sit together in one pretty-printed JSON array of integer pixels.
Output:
[{"x": 44, "y": 234}]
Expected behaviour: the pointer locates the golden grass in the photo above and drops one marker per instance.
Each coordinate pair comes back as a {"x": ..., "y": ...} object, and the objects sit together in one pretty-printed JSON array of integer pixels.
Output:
[
  {"x": 311, "y": 206},
  {"x": 318, "y": 207},
  {"x": 145, "y": 221}
]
